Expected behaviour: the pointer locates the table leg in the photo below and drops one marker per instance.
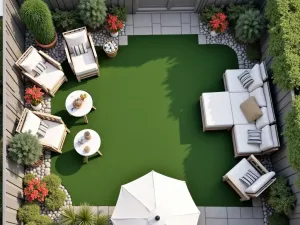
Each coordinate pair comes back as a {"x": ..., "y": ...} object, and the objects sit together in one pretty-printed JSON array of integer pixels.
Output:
[
  {"x": 100, "y": 153},
  {"x": 85, "y": 159},
  {"x": 85, "y": 119},
  {"x": 94, "y": 108}
]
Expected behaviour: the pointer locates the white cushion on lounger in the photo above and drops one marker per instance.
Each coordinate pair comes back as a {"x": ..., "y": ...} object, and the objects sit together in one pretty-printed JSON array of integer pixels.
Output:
[
  {"x": 236, "y": 100},
  {"x": 50, "y": 76},
  {"x": 275, "y": 136},
  {"x": 256, "y": 76},
  {"x": 31, "y": 124},
  {"x": 263, "y": 120},
  {"x": 217, "y": 109},
  {"x": 232, "y": 82},
  {"x": 77, "y": 38},
  {"x": 266, "y": 139},
  {"x": 30, "y": 62},
  {"x": 260, "y": 182},
  {"x": 54, "y": 133},
  {"x": 84, "y": 63},
  {"x": 241, "y": 138},
  {"x": 259, "y": 96},
  {"x": 238, "y": 171},
  {"x": 263, "y": 71},
  {"x": 267, "y": 92}
]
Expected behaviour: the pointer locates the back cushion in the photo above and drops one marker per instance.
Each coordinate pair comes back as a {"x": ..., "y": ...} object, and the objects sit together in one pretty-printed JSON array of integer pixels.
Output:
[
  {"x": 77, "y": 38},
  {"x": 275, "y": 136},
  {"x": 256, "y": 76},
  {"x": 263, "y": 71},
  {"x": 266, "y": 139},
  {"x": 260, "y": 183},
  {"x": 259, "y": 96},
  {"x": 31, "y": 124},
  {"x": 30, "y": 62},
  {"x": 269, "y": 103},
  {"x": 263, "y": 120}
]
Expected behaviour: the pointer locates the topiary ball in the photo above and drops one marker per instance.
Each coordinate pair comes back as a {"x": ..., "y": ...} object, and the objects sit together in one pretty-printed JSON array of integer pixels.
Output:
[
  {"x": 28, "y": 213},
  {"x": 52, "y": 182},
  {"x": 55, "y": 200}
]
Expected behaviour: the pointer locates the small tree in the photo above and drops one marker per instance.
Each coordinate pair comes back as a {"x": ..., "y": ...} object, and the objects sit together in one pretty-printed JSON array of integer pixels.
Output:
[{"x": 92, "y": 12}]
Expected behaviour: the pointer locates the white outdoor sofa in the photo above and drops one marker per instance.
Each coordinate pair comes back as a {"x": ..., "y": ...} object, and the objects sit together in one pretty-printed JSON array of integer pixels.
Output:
[
  {"x": 221, "y": 111},
  {"x": 265, "y": 179}
]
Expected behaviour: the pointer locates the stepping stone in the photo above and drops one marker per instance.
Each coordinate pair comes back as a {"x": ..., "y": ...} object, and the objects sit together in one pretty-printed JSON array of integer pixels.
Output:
[{"x": 201, "y": 39}]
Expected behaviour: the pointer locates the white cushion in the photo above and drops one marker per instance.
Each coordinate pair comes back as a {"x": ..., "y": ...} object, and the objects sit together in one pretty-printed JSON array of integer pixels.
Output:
[
  {"x": 77, "y": 38},
  {"x": 31, "y": 124},
  {"x": 255, "y": 74},
  {"x": 236, "y": 100},
  {"x": 275, "y": 136},
  {"x": 232, "y": 82},
  {"x": 263, "y": 120},
  {"x": 259, "y": 96},
  {"x": 240, "y": 133},
  {"x": 84, "y": 63},
  {"x": 263, "y": 71},
  {"x": 50, "y": 76},
  {"x": 30, "y": 62},
  {"x": 238, "y": 171},
  {"x": 260, "y": 183},
  {"x": 270, "y": 108},
  {"x": 54, "y": 134},
  {"x": 266, "y": 139}
]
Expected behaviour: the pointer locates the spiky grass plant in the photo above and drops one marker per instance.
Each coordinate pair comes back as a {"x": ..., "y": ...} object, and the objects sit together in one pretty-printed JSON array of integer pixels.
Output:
[
  {"x": 101, "y": 219},
  {"x": 68, "y": 216},
  {"x": 85, "y": 215}
]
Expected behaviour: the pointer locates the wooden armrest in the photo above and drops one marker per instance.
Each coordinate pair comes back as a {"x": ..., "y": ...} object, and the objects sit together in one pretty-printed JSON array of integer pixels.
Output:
[
  {"x": 68, "y": 54},
  {"x": 50, "y": 60},
  {"x": 47, "y": 116},
  {"x": 22, "y": 120},
  {"x": 93, "y": 47},
  {"x": 257, "y": 164},
  {"x": 33, "y": 80}
]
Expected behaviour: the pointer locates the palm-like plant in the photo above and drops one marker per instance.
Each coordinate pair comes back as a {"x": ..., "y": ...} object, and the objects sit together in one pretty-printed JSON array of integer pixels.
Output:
[
  {"x": 85, "y": 215},
  {"x": 101, "y": 219},
  {"x": 68, "y": 216}
]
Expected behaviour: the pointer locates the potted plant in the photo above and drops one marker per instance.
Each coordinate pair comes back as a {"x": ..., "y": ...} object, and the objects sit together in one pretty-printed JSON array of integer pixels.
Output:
[
  {"x": 38, "y": 19},
  {"x": 34, "y": 96},
  {"x": 218, "y": 24},
  {"x": 114, "y": 25}
]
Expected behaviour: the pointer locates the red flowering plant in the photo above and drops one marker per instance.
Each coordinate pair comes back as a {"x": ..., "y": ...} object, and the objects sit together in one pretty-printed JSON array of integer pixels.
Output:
[
  {"x": 218, "y": 23},
  {"x": 36, "y": 190},
  {"x": 113, "y": 24},
  {"x": 33, "y": 96}
]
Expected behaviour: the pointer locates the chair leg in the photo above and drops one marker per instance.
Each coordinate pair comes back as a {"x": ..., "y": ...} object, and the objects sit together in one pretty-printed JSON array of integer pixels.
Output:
[
  {"x": 86, "y": 119},
  {"x": 100, "y": 153},
  {"x": 85, "y": 159},
  {"x": 94, "y": 108}
]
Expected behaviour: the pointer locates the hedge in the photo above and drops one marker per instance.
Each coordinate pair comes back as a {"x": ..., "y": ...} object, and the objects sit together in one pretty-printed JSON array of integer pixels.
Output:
[{"x": 284, "y": 45}]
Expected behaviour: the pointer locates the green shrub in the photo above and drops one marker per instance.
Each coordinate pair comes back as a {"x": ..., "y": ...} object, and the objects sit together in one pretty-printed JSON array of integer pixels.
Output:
[
  {"x": 208, "y": 12},
  {"x": 234, "y": 11},
  {"x": 52, "y": 182},
  {"x": 55, "y": 200},
  {"x": 37, "y": 17},
  {"x": 28, "y": 213},
  {"x": 253, "y": 51},
  {"x": 278, "y": 219},
  {"x": 66, "y": 20},
  {"x": 43, "y": 220},
  {"x": 119, "y": 11},
  {"x": 25, "y": 149},
  {"x": 28, "y": 177},
  {"x": 101, "y": 219},
  {"x": 31, "y": 223},
  {"x": 68, "y": 216},
  {"x": 85, "y": 215},
  {"x": 280, "y": 197},
  {"x": 92, "y": 12},
  {"x": 249, "y": 26}
]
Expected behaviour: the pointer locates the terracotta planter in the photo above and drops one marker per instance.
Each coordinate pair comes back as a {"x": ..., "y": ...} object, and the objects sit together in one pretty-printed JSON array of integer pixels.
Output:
[{"x": 48, "y": 46}]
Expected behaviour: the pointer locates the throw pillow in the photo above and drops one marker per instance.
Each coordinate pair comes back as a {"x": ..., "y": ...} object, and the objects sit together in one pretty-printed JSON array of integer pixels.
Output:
[
  {"x": 39, "y": 68},
  {"x": 251, "y": 110},
  {"x": 79, "y": 49},
  {"x": 254, "y": 136},
  {"x": 42, "y": 129},
  {"x": 245, "y": 79},
  {"x": 249, "y": 178}
]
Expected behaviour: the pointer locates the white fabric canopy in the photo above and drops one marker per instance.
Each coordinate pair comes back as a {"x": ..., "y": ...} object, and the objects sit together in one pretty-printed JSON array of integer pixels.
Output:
[{"x": 154, "y": 195}]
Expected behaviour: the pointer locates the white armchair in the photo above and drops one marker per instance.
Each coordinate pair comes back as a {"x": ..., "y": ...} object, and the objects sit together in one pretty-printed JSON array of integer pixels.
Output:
[
  {"x": 53, "y": 76},
  {"x": 265, "y": 179},
  {"x": 83, "y": 65}
]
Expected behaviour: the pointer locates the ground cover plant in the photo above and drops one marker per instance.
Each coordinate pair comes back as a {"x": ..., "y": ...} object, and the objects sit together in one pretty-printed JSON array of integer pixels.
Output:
[{"x": 148, "y": 117}]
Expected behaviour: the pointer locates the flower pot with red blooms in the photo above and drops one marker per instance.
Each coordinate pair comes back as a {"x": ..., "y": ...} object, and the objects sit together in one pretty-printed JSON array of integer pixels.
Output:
[
  {"x": 36, "y": 191},
  {"x": 113, "y": 25},
  {"x": 34, "y": 96},
  {"x": 218, "y": 24}
]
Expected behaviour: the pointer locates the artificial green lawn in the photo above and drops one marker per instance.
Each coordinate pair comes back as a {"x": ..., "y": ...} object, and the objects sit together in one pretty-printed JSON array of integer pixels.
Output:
[{"x": 148, "y": 117}]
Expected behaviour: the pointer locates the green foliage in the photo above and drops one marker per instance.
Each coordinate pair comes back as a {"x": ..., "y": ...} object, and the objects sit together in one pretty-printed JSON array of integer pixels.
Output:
[
  {"x": 278, "y": 219},
  {"x": 66, "y": 20},
  {"x": 43, "y": 220},
  {"x": 68, "y": 216},
  {"x": 55, "y": 200},
  {"x": 280, "y": 197},
  {"x": 28, "y": 213},
  {"x": 85, "y": 215},
  {"x": 234, "y": 11},
  {"x": 208, "y": 12},
  {"x": 119, "y": 11},
  {"x": 28, "y": 177},
  {"x": 25, "y": 149},
  {"x": 37, "y": 17},
  {"x": 52, "y": 182},
  {"x": 249, "y": 26},
  {"x": 31, "y": 223},
  {"x": 253, "y": 51},
  {"x": 92, "y": 12},
  {"x": 101, "y": 219}
]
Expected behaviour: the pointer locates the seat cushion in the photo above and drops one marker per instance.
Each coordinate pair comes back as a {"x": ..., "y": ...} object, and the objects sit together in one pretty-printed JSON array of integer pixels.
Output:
[
  {"x": 31, "y": 123},
  {"x": 54, "y": 134},
  {"x": 236, "y": 100},
  {"x": 266, "y": 139},
  {"x": 263, "y": 120},
  {"x": 238, "y": 171},
  {"x": 270, "y": 108},
  {"x": 256, "y": 76},
  {"x": 259, "y": 96},
  {"x": 77, "y": 38},
  {"x": 50, "y": 76},
  {"x": 240, "y": 133},
  {"x": 84, "y": 63},
  {"x": 30, "y": 62},
  {"x": 232, "y": 82},
  {"x": 260, "y": 183}
]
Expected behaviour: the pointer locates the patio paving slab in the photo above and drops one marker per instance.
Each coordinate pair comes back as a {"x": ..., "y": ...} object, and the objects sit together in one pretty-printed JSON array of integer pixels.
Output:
[
  {"x": 210, "y": 221},
  {"x": 194, "y": 19},
  {"x": 234, "y": 212},
  {"x": 142, "y": 20},
  {"x": 123, "y": 40},
  {"x": 156, "y": 18},
  {"x": 103, "y": 209},
  {"x": 129, "y": 20},
  {"x": 201, "y": 220},
  {"x": 156, "y": 28},
  {"x": 171, "y": 30},
  {"x": 142, "y": 30},
  {"x": 186, "y": 28},
  {"x": 257, "y": 212},
  {"x": 129, "y": 30},
  {"x": 245, "y": 222},
  {"x": 171, "y": 19},
  {"x": 246, "y": 212},
  {"x": 185, "y": 18},
  {"x": 215, "y": 212}
]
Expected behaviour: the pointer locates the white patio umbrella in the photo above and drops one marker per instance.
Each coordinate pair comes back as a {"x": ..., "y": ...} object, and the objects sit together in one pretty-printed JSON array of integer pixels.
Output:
[{"x": 155, "y": 199}]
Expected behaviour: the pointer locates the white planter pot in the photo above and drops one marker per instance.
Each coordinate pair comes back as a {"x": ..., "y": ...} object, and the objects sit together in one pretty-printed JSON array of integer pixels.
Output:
[
  {"x": 213, "y": 33},
  {"x": 114, "y": 34},
  {"x": 37, "y": 107}
]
